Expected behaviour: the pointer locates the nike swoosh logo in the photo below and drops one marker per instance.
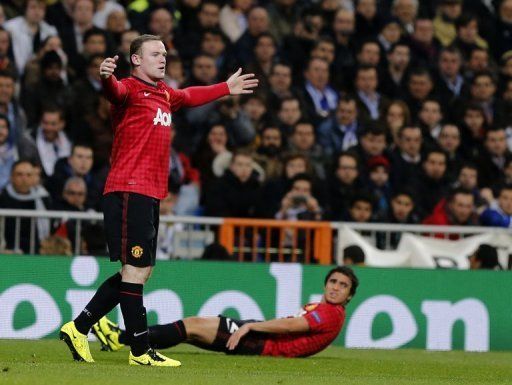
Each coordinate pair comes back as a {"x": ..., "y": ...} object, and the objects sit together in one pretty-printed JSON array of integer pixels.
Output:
[
  {"x": 139, "y": 334},
  {"x": 147, "y": 93},
  {"x": 141, "y": 363}
]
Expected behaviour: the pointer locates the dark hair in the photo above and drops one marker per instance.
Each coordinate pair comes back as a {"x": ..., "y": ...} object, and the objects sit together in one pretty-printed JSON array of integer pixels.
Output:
[
  {"x": 469, "y": 165},
  {"x": 456, "y": 191},
  {"x": 434, "y": 150},
  {"x": 301, "y": 176},
  {"x": 288, "y": 99},
  {"x": 408, "y": 127},
  {"x": 480, "y": 74},
  {"x": 362, "y": 196},
  {"x": 403, "y": 190},
  {"x": 94, "y": 31},
  {"x": 373, "y": 128},
  {"x": 368, "y": 41},
  {"x": 350, "y": 154},
  {"x": 365, "y": 67},
  {"x": 6, "y": 118},
  {"x": 323, "y": 39},
  {"x": 52, "y": 109},
  {"x": 347, "y": 271},
  {"x": 265, "y": 34},
  {"x": 347, "y": 98},
  {"x": 242, "y": 152},
  {"x": 18, "y": 162},
  {"x": 493, "y": 129},
  {"x": 451, "y": 49},
  {"x": 487, "y": 255},
  {"x": 464, "y": 20},
  {"x": 136, "y": 45},
  {"x": 400, "y": 43},
  {"x": 355, "y": 253},
  {"x": 80, "y": 144},
  {"x": 504, "y": 187},
  {"x": 419, "y": 71},
  {"x": 216, "y": 32}
]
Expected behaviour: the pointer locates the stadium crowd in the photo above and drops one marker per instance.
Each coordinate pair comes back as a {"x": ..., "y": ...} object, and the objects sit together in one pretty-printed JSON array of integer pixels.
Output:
[{"x": 395, "y": 111}]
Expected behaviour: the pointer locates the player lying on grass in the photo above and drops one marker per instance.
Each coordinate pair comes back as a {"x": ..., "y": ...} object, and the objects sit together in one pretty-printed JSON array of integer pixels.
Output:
[{"x": 311, "y": 331}]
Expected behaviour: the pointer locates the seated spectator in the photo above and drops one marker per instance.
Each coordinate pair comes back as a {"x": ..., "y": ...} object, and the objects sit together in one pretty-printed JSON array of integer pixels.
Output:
[
  {"x": 233, "y": 18},
  {"x": 468, "y": 179},
  {"x": 378, "y": 182},
  {"x": 51, "y": 139},
  {"x": 429, "y": 119},
  {"x": 499, "y": 212},
  {"x": 299, "y": 203},
  {"x": 392, "y": 81},
  {"x": 406, "y": 157},
  {"x": 302, "y": 141},
  {"x": 473, "y": 128},
  {"x": 237, "y": 192},
  {"x": 56, "y": 245},
  {"x": 458, "y": 209},
  {"x": 478, "y": 62},
  {"x": 265, "y": 51},
  {"x": 79, "y": 163},
  {"x": 10, "y": 107},
  {"x": 372, "y": 143},
  {"x": 390, "y": 34},
  {"x": 448, "y": 11},
  {"x": 93, "y": 240},
  {"x": 339, "y": 132},
  {"x": 7, "y": 63},
  {"x": 467, "y": 37},
  {"x": 166, "y": 231},
  {"x": 21, "y": 193},
  {"x": 275, "y": 189},
  {"x": 185, "y": 179},
  {"x": 424, "y": 45},
  {"x": 289, "y": 114},
  {"x": 50, "y": 91},
  {"x": 420, "y": 86},
  {"x": 257, "y": 23},
  {"x": 371, "y": 103},
  {"x": 485, "y": 258},
  {"x": 492, "y": 160},
  {"x": 400, "y": 211},
  {"x": 396, "y": 117},
  {"x": 450, "y": 82},
  {"x": 28, "y": 31},
  {"x": 361, "y": 208},
  {"x": 255, "y": 108},
  {"x": 72, "y": 199},
  {"x": 269, "y": 152},
  {"x": 449, "y": 141},
  {"x": 353, "y": 256},
  {"x": 343, "y": 185}
]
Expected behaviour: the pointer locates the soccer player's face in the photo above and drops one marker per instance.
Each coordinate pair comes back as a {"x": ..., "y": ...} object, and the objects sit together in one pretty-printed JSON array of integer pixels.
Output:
[
  {"x": 152, "y": 59},
  {"x": 337, "y": 288}
]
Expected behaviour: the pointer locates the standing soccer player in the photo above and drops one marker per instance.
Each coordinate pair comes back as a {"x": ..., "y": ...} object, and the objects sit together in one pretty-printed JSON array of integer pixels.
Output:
[{"x": 142, "y": 107}]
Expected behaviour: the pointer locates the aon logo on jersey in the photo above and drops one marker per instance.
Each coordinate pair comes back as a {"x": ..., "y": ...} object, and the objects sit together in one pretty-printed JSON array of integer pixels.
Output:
[{"x": 164, "y": 118}]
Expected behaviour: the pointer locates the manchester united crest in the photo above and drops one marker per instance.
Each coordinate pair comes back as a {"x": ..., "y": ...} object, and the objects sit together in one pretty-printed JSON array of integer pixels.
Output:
[{"x": 137, "y": 251}]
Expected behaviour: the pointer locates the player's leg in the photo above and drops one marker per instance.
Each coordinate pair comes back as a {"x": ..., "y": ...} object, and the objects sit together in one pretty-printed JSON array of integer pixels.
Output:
[
  {"x": 74, "y": 333},
  {"x": 139, "y": 234}
]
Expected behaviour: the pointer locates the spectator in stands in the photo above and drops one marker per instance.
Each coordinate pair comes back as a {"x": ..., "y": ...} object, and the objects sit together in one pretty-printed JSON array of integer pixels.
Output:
[
  {"x": 7, "y": 62},
  {"x": 51, "y": 139},
  {"x": 302, "y": 140},
  {"x": 299, "y": 203},
  {"x": 233, "y": 18},
  {"x": 161, "y": 23},
  {"x": 93, "y": 240},
  {"x": 499, "y": 212},
  {"x": 257, "y": 23},
  {"x": 406, "y": 158},
  {"x": 406, "y": 11},
  {"x": 450, "y": 83},
  {"x": 95, "y": 43},
  {"x": 343, "y": 31},
  {"x": 390, "y": 34},
  {"x": 468, "y": 38},
  {"x": 319, "y": 98},
  {"x": 236, "y": 194},
  {"x": 339, "y": 132},
  {"x": 504, "y": 28},
  {"x": 473, "y": 130},
  {"x": 28, "y": 32},
  {"x": 269, "y": 151},
  {"x": 289, "y": 114},
  {"x": 79, "y": 163},
  {"x": 396, "y": 117},
  {"x": 280, "y": 81},
  {"x": 478, "y": 62},
  {"x": 174, "y": 72},
  {"x": 166, "y": 230},
  {"x": 400, "y": 211},
  {"x": 485, "y": 258},
  {"x": 424, "y": 46},
  {"x": 491, "y": 162},
  {"x": 104, "y": 8},
  {"x": 361, "y": 208},
  {"x": 449, "y": 141},
  {"x": 448, "y": 11},
  {"x": 392, "y": 80},
  {"x": 378, "y": 182},
  {"x": 458, "y": 209},
  {"x": 72, "y": 35},
  {"x": 372, "y": 142},
  {"x": 10, "y": 107},
  {"x": 371, "y": 104},
  {"x": 482, "y": 93},
  {"x": 275, "y": 189},
  {"x": 255, "y": 108},
  {"x": 73, "y": 199},
  {"x": 420, "y": 86},
  {"x": 56, "y": 245},
  {"x": 214, "y": 43},
  {"x": 343, "y": 185},
  {"x": 283, "y": 14},
  {"x": 431, "y": 184},
  {"x": 429, "y": 119},
  {"x": 353, "y": 256},
  {"x": 21, "y": 194},
  {"x": 123, "y": 52}
]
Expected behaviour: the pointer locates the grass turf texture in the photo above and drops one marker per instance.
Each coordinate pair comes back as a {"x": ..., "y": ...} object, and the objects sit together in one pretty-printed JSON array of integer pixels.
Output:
[{"x": 49, "y": 362}]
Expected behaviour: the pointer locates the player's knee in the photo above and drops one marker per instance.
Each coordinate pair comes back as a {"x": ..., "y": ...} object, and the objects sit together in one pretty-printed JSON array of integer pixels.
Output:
[{"x": 135, "y": 274}]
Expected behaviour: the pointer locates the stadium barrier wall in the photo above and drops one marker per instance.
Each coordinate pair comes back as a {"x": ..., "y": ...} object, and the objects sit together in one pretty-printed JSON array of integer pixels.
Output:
[{"x": 394, "y": 308}]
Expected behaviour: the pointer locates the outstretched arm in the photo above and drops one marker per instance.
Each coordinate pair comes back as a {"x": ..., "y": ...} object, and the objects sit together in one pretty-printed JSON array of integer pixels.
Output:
[
  {"x": 114, "y": 91},
  {"x": 237, "y": 84},
  {"x": 275, "y": 326}
]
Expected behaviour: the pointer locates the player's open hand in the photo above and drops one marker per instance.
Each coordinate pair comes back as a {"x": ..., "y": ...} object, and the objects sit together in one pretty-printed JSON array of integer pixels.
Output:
[
  {"x": 108, "y": 66},
  {"x": 241, "y": 84},
  {"x": 237, "y": 336}
]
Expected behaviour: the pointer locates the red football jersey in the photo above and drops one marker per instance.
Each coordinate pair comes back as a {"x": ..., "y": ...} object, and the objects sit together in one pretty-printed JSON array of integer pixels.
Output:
[
  {"x": 141, "y": 121},
  {"x": 325, "y": 322}
]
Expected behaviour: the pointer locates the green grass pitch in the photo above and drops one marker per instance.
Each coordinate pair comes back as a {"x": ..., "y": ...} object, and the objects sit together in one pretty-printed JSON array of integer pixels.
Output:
[{"x": 49, "y": 362}]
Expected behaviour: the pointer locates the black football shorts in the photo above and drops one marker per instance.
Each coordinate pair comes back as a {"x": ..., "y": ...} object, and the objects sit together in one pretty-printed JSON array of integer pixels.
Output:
[
  {"x": 251, "y": 344},
  {"x": 131, "y": 228}
]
